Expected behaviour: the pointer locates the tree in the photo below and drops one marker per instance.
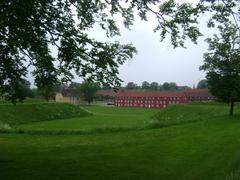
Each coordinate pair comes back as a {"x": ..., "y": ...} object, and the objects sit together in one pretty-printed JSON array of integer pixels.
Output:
[
  {"x": 74, "y": 85},
  {"x": 171, "y": 86},
  {"x": 131, "y": 85},
  {"x": 88, "y": 90},
  {"x": 145, "y": 85},
  {"x": 26, "y": 89},
  {"x": 202, "y": 84},
  {"x": 154, "y": 86},
  {"x": 29, "y": 30},
  {"x": 22, "y": 90},
  {"x": 222, "y": 61}
]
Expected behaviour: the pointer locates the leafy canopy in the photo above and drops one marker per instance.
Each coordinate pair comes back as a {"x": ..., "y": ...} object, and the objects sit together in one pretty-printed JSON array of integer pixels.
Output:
[{"x": 30, "y": 30}]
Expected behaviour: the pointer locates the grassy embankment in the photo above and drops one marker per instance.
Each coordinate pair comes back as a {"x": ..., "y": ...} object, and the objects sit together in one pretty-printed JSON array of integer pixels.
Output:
[
  {"x": 12, "y": 116},
  {"x": 194, "y": 142}
]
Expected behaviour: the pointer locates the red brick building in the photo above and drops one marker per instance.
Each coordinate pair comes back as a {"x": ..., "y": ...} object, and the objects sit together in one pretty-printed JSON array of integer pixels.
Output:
[
  {"x": 199, "y": 95},
  {"x": 149, "y": 99}
]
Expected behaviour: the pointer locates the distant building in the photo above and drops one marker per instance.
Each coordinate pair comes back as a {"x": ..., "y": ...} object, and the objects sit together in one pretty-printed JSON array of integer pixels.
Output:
[
  {"x": 155, "y": 99},
  {"x": 149, "y": 99},
  {"x": 69, "y": 96},
  {"x": 199, "y": 95}
]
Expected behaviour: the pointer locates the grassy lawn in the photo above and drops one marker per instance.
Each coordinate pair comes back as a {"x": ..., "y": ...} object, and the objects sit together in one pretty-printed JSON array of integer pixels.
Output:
[
  {"x": 103, "y": 117},
  {"x": 207, "y": 147}
]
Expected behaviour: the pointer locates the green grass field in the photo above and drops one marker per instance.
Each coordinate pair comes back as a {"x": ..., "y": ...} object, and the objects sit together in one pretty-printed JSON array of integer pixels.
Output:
[
  {"x": 196, "y": 141},
  {"x": 104, "y": 118}
]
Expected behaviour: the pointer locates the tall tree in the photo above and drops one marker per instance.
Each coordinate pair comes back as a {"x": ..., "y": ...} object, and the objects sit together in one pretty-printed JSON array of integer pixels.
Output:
[
  {"x": 222, "y": 61},
  {"x": 88, "y": 90},
  {"x": 29, "y": 28}
]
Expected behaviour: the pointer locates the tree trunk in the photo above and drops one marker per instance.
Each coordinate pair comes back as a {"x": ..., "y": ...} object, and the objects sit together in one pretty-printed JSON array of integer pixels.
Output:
[{"x": 231, "y": 109}]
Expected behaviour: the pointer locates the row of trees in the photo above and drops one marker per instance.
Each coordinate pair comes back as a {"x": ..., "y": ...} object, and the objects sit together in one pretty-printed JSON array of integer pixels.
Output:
[
  {"x": 167, "y": 86},
  {"x": 153, "y": 86}
]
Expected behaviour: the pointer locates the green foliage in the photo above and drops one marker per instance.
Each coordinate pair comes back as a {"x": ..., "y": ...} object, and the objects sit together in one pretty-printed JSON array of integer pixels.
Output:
[
  {"x": 88, "y": 90},
  {"x": 28, "y": 28},
  {"x": 5, "y": 128},
  {"x": 145, "y": 85},
  {"x": 169, "y": 86},
  {"x": 154, "y": 86},
  {"x": 202, "y": 84},
  {"x": 131, "y": 86}
]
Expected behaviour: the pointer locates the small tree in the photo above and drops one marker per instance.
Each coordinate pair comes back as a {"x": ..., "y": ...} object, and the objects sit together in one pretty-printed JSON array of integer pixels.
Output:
[
  {"x": 154, "y": 86},
  {"x": 202, "y": 84},
  {"x": 88, "y": 90},
  {"x": 145, "y": 85},
  {"x": 222, "y": 64},
  {"x": 131, "y": 85}
]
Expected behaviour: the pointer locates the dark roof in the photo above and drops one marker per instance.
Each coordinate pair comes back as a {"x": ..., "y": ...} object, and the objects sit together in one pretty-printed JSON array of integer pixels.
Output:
[
  {"x": 70, "y": 92},
  {"x": 204, "y": 93},
  {"x": 150, "y": 94}
]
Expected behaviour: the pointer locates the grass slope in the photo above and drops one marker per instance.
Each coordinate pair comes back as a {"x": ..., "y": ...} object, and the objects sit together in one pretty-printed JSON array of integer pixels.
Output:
[
  {"x": 26, "y": 113},
  {"x": 180, "y": 114}
]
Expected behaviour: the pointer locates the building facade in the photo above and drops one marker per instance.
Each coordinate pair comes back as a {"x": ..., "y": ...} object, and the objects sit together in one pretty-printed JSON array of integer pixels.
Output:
[
  {"x": 199, "y": 95},
  {"x": 71, "y": 96},
  {"x": 149, "y": 99}
]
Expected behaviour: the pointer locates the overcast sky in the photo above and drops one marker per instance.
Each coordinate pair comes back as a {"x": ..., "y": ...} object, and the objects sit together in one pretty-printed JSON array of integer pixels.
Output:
[{"x": 158, "y": 61}]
